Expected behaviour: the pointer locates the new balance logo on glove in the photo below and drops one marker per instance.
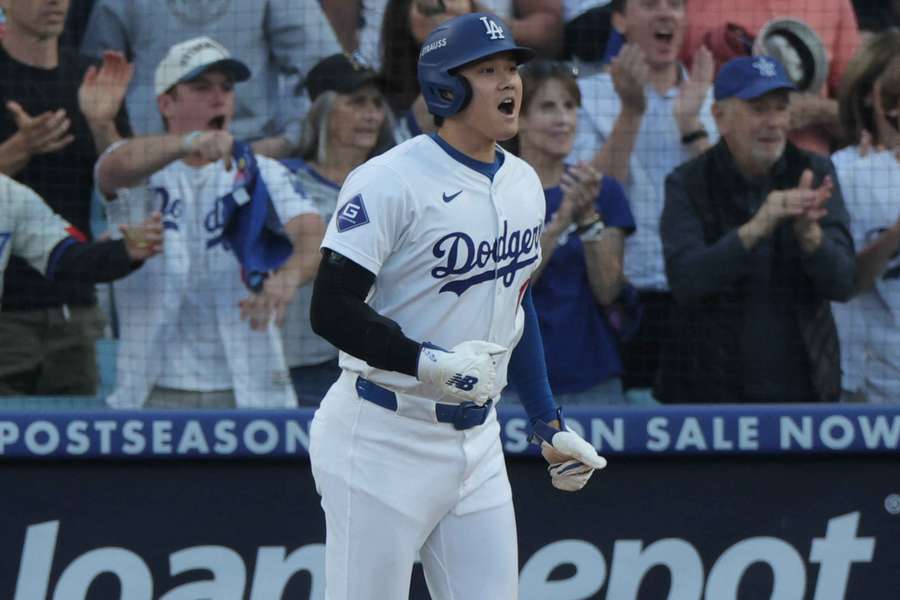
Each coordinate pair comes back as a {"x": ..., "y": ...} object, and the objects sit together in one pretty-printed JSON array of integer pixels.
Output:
[
  {"x": 463, "y": 383},
  {"x": 467, "y": 372}
]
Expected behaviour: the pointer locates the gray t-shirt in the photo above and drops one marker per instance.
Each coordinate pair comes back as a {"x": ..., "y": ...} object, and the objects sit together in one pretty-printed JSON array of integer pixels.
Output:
[
  {"x": 302, "y": 347},
  {"x": 280, "y": 40}
]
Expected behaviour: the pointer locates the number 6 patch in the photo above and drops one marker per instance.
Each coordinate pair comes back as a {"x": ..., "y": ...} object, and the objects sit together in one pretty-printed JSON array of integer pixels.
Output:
[{"x": 352, "y": 214}]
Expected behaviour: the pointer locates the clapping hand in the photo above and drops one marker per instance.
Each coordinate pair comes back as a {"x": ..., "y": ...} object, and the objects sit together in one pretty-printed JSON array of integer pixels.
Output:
[
  {"x": 47, "y": 132},
  {"x": 802, "y": 202},
  {"x": 581, "y": 186},
  {"x": 693, "y": 91},
  {"x": 806, "y": 224},
  {"x": 103, "y": 89},
  {"x": 630, "y": 74}
]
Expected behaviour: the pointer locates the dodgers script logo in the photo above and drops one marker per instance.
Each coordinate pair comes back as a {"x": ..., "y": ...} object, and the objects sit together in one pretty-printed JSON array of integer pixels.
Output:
[
  {"x": 461, "y": 255},
  {"x": 171, "y": 208},
  {"x": 214, "y": 222}
]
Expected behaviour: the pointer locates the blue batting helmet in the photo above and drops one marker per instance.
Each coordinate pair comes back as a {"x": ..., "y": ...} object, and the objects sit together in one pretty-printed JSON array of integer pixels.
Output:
[{"x": 455, "y": 43}]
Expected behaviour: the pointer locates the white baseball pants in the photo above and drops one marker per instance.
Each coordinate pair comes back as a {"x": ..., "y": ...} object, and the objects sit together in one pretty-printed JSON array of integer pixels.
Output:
[{"x": 393, "y": 487}]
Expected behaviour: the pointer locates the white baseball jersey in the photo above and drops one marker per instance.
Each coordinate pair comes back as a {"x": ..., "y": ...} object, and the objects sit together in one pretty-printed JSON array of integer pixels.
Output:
[
  {"x": 869, "y": 324},
  {"x": 179, "y": 316},
  {"x": 451, "y": 249},
  {"x": 28, "y": 227}
]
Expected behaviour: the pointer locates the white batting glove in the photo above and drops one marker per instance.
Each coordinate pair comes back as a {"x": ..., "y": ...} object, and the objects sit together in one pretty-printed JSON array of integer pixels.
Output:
[
  {"x": 569, "y": 476},
  {"x": 466, "y": 372},
  {"x": 572, "y": 459}
]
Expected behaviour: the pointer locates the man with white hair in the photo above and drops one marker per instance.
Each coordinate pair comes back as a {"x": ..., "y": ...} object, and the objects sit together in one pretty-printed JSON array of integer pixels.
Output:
[{"x": 757, "y": 243}]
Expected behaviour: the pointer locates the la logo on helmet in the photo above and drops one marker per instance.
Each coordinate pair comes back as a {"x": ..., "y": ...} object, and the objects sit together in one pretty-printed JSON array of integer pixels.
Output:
[{"x": 492, "y": 29}]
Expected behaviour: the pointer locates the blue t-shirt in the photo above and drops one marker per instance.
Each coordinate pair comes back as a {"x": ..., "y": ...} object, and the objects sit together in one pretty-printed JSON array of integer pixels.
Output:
[{"x": 579, "y": 344}]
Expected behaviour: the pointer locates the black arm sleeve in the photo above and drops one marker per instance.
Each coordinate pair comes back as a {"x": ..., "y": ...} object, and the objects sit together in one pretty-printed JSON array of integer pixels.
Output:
[
  {"x": 97, "y": 262},
  {"x": 339, "y": 314}
]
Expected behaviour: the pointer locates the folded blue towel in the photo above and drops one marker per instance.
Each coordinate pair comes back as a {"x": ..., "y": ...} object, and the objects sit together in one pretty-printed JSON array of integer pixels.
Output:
[{"x": 253, "y": 230}]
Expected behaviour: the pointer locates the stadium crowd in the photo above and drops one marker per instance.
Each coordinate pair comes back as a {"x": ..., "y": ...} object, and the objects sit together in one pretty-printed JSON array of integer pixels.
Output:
[{"x": 722, "y": 182}]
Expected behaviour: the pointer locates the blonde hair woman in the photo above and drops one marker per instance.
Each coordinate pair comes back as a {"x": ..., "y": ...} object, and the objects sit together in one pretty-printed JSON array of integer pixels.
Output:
[{"x": 347, "y": 124}]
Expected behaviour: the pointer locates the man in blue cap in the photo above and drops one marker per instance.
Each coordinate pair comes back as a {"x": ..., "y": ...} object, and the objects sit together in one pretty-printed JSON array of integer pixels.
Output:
[{"x": 756, "y": 244}]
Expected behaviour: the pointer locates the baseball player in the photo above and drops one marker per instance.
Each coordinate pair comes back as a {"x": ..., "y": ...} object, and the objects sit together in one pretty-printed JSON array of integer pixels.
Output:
[
  {"x": 30, "y": 230},
  {"x": 183, "y": 342},
  {"x": 424, "y": 287}
]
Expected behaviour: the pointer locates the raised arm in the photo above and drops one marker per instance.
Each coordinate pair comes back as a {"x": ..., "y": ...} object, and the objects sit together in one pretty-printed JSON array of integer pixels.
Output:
[
  {"x": 692, "y": 93},
  {"x": 629, "y": 73},
  {"x": 135, "y": 160},
  {"x": 101, "y": 96}
]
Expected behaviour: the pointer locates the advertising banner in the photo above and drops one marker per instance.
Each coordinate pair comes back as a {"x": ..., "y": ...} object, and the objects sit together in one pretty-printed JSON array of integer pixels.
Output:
[
  {"x": 779, "y": 527},
  {"x": 672, "y": 431}
]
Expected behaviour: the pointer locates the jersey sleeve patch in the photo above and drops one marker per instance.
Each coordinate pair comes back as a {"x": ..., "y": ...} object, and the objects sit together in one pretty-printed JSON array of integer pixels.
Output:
[{"x": 353, "y": 214}]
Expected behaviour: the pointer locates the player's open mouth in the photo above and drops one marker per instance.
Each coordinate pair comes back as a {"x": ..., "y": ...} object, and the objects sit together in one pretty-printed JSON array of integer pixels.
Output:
[
  {"x": 507, "y": 106},
  {"x": 217, "y": 123}
]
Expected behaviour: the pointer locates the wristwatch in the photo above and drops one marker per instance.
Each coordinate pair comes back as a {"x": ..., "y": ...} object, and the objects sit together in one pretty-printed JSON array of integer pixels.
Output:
[
  {"x": 187, "y": 142},
  {"x": 591, "y": 232}
]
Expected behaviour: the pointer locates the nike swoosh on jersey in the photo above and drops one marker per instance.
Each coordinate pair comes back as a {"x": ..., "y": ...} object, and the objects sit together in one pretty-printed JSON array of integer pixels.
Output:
[{"x": 451, "y": 196}]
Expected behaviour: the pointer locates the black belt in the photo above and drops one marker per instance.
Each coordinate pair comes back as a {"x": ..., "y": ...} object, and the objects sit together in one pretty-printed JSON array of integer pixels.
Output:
[{"x": 462, "y": 416}]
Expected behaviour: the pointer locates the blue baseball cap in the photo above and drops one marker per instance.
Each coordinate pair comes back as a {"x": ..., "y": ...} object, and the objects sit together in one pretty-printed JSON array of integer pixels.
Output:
[{"x": 749, "y": 77}]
